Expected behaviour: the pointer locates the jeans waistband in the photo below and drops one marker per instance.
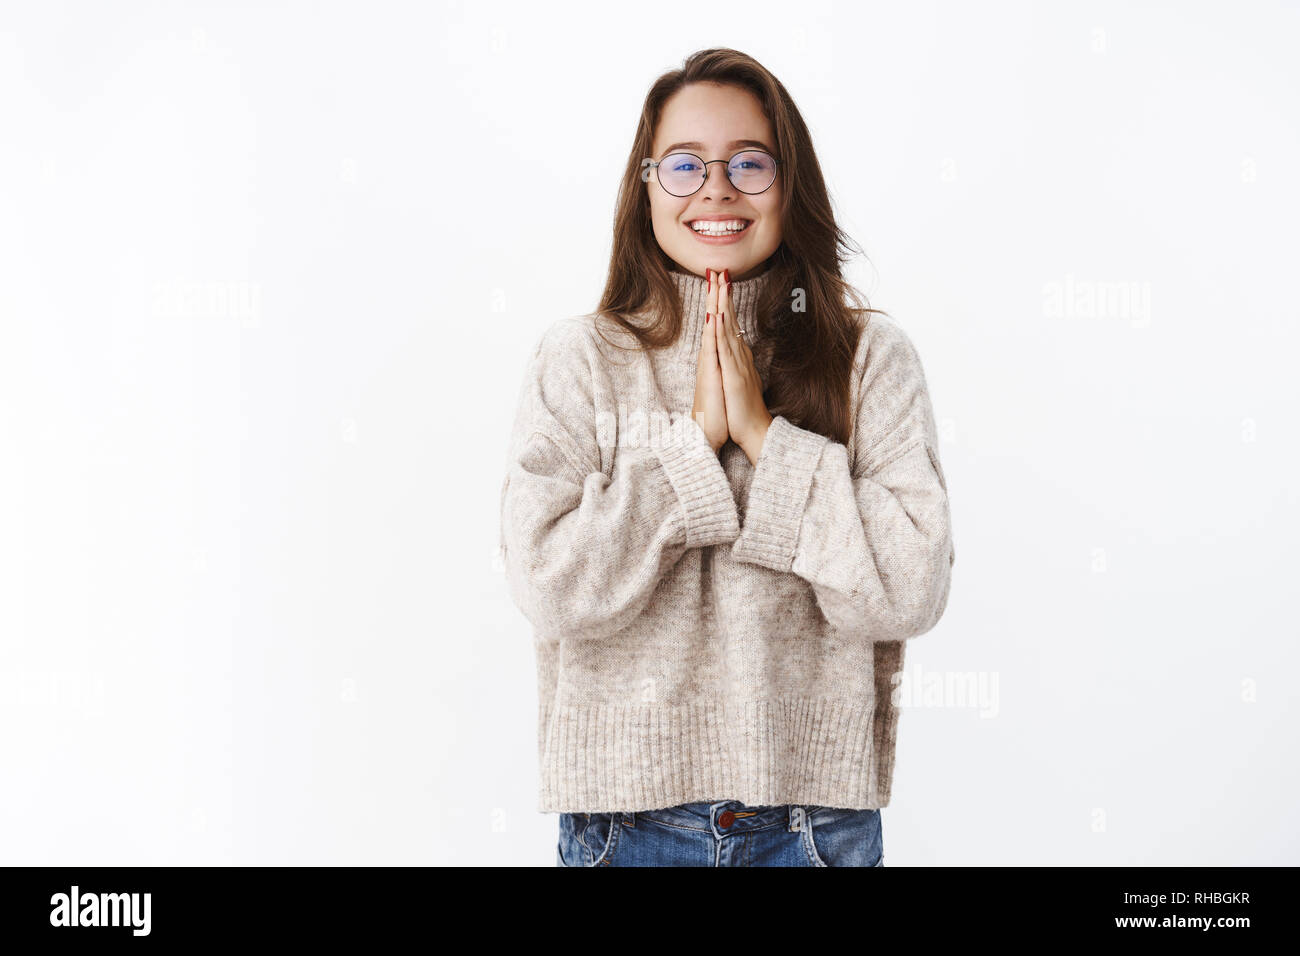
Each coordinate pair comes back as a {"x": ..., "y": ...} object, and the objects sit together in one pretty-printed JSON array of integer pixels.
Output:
[{"x": 722, "y": 818}]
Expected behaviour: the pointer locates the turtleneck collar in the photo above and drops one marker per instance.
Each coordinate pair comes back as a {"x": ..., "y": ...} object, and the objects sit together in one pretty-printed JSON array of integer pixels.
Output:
[{"x": 694, "y": 293}]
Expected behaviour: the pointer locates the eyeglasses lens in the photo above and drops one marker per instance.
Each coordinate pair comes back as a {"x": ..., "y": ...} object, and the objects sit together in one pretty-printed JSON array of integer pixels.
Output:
[{"x": 752, "y": 171}]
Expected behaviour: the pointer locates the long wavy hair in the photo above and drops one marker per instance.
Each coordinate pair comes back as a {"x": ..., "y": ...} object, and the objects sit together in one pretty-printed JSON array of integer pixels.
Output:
[{"x": 809, "y": 353}]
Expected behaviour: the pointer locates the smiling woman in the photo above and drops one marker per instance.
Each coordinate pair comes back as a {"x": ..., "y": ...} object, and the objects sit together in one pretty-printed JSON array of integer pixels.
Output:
[{"x": 719, "y": 612}]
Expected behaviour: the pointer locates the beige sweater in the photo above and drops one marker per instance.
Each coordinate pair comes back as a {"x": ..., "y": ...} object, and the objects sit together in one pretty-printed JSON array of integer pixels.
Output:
[{"x": 706, "y": 629}]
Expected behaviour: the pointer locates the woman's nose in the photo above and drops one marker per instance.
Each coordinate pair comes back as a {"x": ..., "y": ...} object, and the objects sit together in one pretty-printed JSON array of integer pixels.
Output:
[{"x": 716, "y": 181}]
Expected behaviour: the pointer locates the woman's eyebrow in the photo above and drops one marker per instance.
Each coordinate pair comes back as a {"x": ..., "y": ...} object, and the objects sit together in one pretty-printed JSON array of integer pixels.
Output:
[{"x": 734, "y": 144}]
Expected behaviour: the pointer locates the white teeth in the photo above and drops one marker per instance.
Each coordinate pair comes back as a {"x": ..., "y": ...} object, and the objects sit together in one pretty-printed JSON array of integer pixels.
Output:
[{"x": 719, "y": 228}]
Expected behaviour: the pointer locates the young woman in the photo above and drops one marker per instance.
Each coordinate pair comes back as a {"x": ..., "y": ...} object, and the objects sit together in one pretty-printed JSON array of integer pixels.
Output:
[{"x": 720, "y": 597}]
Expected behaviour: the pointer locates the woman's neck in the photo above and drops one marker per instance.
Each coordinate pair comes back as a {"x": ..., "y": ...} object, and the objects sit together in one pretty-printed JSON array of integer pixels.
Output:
[{"x": 693, "y": 291}]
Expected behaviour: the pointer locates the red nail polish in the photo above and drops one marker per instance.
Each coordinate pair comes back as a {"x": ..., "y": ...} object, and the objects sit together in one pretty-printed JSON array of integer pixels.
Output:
[
  {"x": 726, "y": 276},
  {"x": 706, "y": 318}
]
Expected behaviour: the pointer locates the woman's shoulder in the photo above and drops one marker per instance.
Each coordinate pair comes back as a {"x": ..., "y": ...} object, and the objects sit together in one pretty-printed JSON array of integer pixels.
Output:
[
  {"x": 582, "y": 343},
  {"x": 564, "y": 339},
  {"x": 885, "y": 348},
  {"x": 564, "y": 333}
]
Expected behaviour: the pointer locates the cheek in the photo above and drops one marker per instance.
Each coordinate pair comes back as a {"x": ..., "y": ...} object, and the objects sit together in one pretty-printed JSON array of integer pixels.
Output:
[
  {"x": 661, "y": 213},
  {"x": 771, "y": 232},
  {"x": 666, "y": 223},
  {"x": 770, "y": 210}
]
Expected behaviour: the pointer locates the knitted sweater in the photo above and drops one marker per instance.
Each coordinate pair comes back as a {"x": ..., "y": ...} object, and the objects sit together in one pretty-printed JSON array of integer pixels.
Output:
[{"x": 707, "y": 629}]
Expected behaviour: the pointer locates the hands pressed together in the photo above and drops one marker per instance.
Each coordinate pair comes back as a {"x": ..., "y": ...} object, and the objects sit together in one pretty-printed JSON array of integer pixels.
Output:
[{"x": 728, "y": 391}]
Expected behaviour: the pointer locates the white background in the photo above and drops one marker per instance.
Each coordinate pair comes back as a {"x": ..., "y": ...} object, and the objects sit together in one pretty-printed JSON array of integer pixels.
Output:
[{"x": 270, "y": 273}]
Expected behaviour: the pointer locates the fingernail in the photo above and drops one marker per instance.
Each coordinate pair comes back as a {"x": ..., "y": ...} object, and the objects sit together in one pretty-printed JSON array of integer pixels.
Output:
[
  {"x": 707, "y": 315},
  {"x": 709, "y": 272},
  {"x": 726, "y": 276}
]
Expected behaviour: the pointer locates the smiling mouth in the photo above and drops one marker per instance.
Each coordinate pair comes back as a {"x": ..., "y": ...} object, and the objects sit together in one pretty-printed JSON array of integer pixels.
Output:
[{"x": 726, "y": 227}]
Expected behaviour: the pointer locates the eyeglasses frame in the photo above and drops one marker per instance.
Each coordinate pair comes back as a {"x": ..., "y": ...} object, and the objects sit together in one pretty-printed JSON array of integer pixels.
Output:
[{"x": 650, "y": 163}]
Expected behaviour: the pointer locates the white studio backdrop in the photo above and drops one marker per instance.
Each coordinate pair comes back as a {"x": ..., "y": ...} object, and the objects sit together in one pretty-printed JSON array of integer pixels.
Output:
[{"x": 270, "y": 275}]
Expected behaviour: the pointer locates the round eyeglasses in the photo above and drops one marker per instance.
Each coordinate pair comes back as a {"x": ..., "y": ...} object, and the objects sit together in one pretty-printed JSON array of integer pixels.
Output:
[{"x": 751, "y": 171}]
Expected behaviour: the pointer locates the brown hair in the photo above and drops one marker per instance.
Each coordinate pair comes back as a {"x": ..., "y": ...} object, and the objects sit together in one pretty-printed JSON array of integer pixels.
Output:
[{"x": 810, "y": 352}]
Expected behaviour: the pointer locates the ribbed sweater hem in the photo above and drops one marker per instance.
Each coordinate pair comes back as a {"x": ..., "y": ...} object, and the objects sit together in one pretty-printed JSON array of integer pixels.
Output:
[{"x": 811, "y": 751}]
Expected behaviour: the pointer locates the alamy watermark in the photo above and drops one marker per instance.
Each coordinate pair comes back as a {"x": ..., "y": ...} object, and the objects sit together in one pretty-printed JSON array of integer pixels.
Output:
[
  {"x": 101, "y": 909},
  {"x": 218, "y": 299},
  {"x": 639, "y": 428},
  {"x": 920, "y": 688},
  {"x": 1073, "y": 298}
]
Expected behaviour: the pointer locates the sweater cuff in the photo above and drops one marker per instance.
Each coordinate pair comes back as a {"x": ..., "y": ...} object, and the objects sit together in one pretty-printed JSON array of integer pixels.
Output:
[
  {"x": 701, "y": 484},
  {"x": 778, "y": 495}
]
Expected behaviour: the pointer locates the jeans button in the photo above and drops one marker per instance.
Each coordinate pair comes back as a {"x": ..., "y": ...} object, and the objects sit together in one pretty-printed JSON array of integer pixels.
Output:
[{"x": 727, "y": 819}]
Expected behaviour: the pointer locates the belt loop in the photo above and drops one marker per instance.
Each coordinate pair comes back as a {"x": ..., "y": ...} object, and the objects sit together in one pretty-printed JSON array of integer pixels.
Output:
[{"x": 629, "y": 818}]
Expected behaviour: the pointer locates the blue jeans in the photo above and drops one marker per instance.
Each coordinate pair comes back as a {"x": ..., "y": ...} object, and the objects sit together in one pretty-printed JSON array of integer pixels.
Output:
[{"x": 725, "y": 833}]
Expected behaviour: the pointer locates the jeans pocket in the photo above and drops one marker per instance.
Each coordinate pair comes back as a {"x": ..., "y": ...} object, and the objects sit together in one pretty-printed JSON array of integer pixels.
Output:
[
  {"x": 588, "y": 839},
  {"x": 840, "y": 837}
]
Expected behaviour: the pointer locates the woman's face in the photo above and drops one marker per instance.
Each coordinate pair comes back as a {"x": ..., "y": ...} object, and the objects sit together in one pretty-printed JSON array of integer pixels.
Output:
[{"x": 711, "y": 120}]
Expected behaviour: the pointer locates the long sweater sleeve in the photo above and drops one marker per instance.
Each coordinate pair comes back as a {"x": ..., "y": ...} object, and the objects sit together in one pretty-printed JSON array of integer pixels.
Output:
[
  {"x": 869, "y": 530},
  {"x": 585, "y": 542}
]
